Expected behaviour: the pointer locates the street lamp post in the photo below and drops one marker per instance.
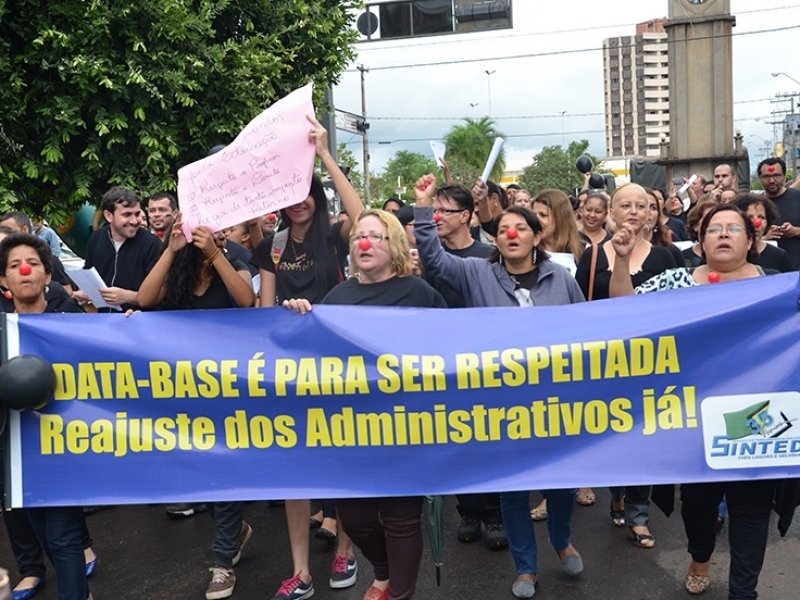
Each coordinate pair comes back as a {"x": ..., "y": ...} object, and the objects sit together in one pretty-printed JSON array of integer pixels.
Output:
[
  {"x": 489, "y": 86},
  {"x": 473, "y": 105},
  {"x": 563, "y": 139}
]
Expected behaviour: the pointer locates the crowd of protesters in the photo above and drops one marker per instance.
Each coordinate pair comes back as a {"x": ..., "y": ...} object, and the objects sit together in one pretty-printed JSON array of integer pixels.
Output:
[{"x": 474, "y": 245}]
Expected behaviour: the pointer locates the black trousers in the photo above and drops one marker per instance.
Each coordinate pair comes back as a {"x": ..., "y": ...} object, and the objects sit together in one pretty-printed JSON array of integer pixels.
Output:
[
  {"x": 484, "y": 506},
  {"x": 749, "y": 505}
]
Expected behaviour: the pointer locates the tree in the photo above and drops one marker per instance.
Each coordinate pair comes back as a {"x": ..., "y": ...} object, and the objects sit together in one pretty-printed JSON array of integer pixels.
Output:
[
  {"x": 113, "y": 92},
  {"x": 554, "y": 167},
  {"x": 469, "y": 146},
  {"x": 402, "y": 170},
  {"x": 347, "y": 160}
]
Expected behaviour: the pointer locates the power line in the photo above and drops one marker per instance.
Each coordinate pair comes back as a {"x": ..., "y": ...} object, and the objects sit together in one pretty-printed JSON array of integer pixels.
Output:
[
  {"x": 518, "y": 135},
  {"x": 562, "y": 52},
  {"x": 374, "y": 45},
  {"x": 518, "y": 117}
]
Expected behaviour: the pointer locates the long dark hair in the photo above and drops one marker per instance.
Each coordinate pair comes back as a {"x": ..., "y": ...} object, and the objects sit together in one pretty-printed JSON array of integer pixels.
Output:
[
  {"x": 318, "y": 240},
  {"x": 183, "y": 277}
]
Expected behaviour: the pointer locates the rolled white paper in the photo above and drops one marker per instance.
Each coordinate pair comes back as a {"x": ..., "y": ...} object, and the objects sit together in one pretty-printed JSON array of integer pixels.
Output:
[
  {"x": 686, "y": 185},
  {"x": 498, "y": 145}
]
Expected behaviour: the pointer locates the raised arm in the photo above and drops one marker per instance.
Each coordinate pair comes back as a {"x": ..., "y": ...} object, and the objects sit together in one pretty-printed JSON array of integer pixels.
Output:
[
  {"x": 350, "y": 200},
  {"x": 623, "y": 242},
  {"x": 153, "y": 289},
  {"x": 450, "y": 269},
  {"x": 239, "y": 287}
]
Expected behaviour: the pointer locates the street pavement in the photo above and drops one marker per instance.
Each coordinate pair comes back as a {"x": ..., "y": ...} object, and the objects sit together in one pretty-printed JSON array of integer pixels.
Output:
[{"x": 146, "y": 556}]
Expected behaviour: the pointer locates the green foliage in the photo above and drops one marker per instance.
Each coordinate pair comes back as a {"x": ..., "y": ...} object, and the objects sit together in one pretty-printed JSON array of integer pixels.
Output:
[
  {"x": 554, "y": 167},
  {"x": 408, "y": 167},
  {"x": 469, "y": 146},
  {"x": 108, "y": 92}
]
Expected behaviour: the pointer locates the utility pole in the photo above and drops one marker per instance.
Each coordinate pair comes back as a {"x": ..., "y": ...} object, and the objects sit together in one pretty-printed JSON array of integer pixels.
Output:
[
  {"x": 367, "y": 198},
  {"x": 789, "y": 135}
]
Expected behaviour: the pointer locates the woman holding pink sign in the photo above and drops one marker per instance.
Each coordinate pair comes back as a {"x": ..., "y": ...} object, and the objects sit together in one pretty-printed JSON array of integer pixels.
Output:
[{"x": 306, "y": 259}]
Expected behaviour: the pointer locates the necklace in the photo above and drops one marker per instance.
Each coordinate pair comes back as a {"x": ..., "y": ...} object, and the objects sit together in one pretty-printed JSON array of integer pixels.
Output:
[{"x": 297, "y": 257}]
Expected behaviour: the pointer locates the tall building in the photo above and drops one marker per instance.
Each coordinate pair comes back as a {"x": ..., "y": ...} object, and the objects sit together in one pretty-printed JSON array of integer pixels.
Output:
[{"x": 636, "y": 91}]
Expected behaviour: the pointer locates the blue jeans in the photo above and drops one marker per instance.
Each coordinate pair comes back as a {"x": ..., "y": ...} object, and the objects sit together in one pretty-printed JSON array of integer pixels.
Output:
[
  {"x": 516, "y": 509},
  {"x": 228, "y": 517},
  {"x": 59, "y": 529}
]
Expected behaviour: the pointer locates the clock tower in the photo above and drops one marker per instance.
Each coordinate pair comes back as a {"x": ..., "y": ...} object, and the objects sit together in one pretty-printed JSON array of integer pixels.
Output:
[{"x": 700, "y": 88}]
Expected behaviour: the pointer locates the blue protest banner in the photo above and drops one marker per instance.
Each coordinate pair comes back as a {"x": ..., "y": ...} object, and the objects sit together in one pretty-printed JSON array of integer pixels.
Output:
[{"x": 690, "y": 385}]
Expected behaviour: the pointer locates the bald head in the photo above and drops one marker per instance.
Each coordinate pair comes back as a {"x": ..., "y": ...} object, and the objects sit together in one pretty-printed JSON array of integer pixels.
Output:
[{"x": 724, "y": 177}]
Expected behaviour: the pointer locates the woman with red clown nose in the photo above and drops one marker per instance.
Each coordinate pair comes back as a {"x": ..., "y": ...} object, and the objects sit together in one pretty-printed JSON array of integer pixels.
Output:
[
  {"x": 519, "y": 273},
  {"x": 388, "y": 531},
  {"x": 25, "y": 271}
]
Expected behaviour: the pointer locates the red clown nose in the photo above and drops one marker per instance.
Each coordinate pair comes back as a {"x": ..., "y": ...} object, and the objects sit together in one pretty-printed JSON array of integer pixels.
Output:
[
  {"x": 713, "y": 277},
  {"x": 757, "y": 222},
  {"x": 511, "y": 233},
  {"x": 271, "y": 218},
  {"x": 771, "y": 168},
  {"x": 437, "y": 217},
  {"x": 364, "y": 244},
  {"x": 25, "y": 269}
]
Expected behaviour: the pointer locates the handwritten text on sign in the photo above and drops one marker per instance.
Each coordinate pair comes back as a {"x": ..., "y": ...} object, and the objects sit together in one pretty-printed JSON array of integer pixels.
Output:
[{"x": 267, "y": 167}]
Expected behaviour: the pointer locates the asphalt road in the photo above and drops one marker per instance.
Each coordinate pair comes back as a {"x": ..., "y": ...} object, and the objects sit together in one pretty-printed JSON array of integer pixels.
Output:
[{"x": 144, "y": 555}]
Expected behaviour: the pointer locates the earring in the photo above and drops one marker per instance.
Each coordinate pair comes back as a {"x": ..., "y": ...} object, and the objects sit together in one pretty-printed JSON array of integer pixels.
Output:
[
  {"x": 47, "y": 289},
  {"x": 534, "y": 255}
]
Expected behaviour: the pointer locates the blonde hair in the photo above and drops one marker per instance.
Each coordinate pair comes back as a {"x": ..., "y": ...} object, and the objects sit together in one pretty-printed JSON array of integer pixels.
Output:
[
  {"x": 398, "y": 242},
  {"x": 565, "y": 233},
  {"x": 628, "y": 186}
]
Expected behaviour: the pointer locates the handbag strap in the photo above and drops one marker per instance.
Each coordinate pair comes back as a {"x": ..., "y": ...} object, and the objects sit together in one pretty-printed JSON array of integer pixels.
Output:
[{"x": 592, "y": 271}]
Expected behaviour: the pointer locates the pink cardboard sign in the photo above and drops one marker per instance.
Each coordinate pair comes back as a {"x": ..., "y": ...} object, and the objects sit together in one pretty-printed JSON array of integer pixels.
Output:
[{"x": 267, "y": 167}]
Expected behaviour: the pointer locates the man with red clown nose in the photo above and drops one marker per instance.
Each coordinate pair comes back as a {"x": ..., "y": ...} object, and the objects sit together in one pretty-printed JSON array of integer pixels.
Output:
[{"x": 772, "y": 173}]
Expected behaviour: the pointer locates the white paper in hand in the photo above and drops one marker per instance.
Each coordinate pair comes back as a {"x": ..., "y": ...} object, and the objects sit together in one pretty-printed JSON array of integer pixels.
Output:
[{"x": 493, "y": 155}]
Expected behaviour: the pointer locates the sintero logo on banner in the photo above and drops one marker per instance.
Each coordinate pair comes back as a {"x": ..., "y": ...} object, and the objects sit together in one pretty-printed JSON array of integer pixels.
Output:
[{"x": 751, "y": 430}]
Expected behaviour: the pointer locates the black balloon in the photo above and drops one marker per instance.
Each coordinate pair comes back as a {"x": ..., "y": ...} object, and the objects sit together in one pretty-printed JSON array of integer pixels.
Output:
[
  {"x": 584, "y": 164},
  {"x": 597, "y": 181},
  {"x": 27, "y": 381}
]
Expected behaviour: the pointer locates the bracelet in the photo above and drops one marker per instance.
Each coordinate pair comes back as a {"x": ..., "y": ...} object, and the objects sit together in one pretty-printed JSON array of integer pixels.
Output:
[{"x": 211, "y": 258}]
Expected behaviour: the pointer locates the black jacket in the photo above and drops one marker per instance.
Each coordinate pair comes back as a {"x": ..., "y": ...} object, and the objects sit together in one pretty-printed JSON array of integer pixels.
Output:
[{"x": 126, "y": 268}]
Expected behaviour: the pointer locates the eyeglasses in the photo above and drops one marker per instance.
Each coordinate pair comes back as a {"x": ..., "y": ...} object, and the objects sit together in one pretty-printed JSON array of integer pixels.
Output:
[
  {"x": 375, "y": 238},
  {"x": 729, "y": 229},
  {"x": 775, "y": 176},
  {"x": 448, "y": 211}
]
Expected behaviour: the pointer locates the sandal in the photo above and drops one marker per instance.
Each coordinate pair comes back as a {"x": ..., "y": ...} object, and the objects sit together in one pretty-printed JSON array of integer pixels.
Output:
[
  {"x": 697, "y": 584},
  {"x": 643, "y": 540},
  {"x": 585, "y": 498},
  {"x": 617, "y": 516},
  {"x": 539, "y": 514}
]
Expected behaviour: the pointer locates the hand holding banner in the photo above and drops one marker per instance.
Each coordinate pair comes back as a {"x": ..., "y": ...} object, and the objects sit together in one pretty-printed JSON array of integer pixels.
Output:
[{"x": 267, "y": 167}]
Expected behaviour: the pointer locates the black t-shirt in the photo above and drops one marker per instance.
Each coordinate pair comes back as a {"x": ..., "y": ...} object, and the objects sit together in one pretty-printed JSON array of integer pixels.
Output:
[
  {"x": 788, "y": 205},
  {"x": 587, "y": 241},
  {"x": 774, "y": 258},
  {"x": 678, "y": 229},
  {"x": 451, "y": 296},
  {"x": 295, "y": 274},
  {"x": 238, "y": 252},
  {"x": 396, "y": 291},
  {"x": 691, "y": 260},
  {"x": 659, "y": 260},
  {"x": 527, "y": 280},
  {"x": 216, "y": 295}
]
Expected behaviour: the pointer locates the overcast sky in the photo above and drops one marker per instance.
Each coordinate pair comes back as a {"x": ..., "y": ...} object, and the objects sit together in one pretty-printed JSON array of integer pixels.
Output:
[{"x": 410, "y": 105}]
